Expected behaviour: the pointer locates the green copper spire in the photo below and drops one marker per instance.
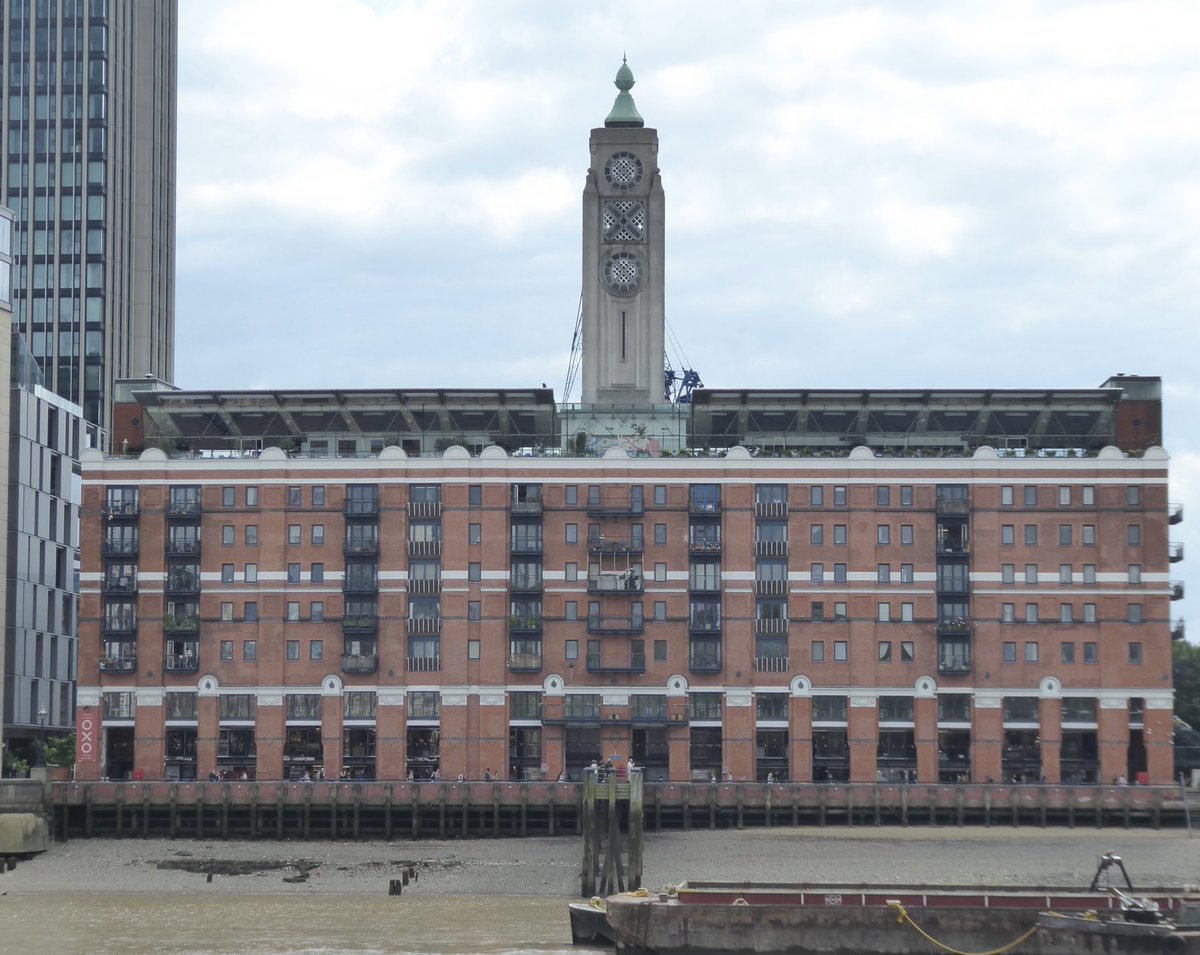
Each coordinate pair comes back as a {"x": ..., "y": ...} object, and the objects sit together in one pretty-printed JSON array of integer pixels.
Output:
[{"x": 624, "y": 112}]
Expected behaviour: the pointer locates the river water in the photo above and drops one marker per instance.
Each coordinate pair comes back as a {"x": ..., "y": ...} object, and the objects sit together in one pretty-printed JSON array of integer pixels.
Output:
[{"x": 195, "y": 924}]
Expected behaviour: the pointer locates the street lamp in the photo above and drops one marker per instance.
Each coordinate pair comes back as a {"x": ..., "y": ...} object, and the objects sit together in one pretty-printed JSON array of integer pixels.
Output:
[{"x": 41, "y": 751}]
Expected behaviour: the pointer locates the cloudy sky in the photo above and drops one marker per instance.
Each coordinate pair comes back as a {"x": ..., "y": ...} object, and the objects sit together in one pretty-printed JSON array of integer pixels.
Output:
[{"x": 387, "y": 192}]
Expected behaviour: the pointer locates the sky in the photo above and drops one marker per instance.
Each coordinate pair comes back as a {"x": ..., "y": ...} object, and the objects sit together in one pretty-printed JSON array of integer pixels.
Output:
[{"x": 378, "y": 193}]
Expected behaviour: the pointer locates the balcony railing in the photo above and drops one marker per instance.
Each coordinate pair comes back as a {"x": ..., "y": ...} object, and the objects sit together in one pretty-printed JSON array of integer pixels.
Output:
[
  {"x": 425, "y": 509},
  {"x": 953, "y": 585},
  {"x": 609, "y": 545},
  {"x": 705, "y": 508},
  {"x": 957, "y": 625},
  {"x": 361, "y": 508},
  {"x": 1174, "y": 513},
  {"x": 119, "y": 548},
  {"x": 360, "y": 623},
  {"x": 949, "y": 548},
  {"x": 609, "y": 623},
  {"x": 704, "y": 662},
  {"x": 772, "y": 664},
  {"x": 525, "y": 545},
  {"x": 954, "y": 663},
  {"x": 953, "y": 506},
  {"x": 770, "y": 626},
  {"x": 1177, "y": 629},
  {"x": 527, "y": 505},
  {"x": 525, "y": 623},
  {"x": 1175, "y": 552},
  {"x": 705, "y": 623},
  {"x": 770, "y": 548},
  {"x": 423, "y": 626},
  {"x": 1176, "y": 589},
  {"x": 122, "y": 663},
  {"x": 616, "y": 663},
  {"x": 119, "y": 623},
  {"x": 525, "y": 662},
  {"x": 181, "y": 623},
  {"x": 360, "y": 547},
  {"x": 424, "y": 586},
  {"x": 771, "y": 509},
  {"x": 771, "y": 588},
  {"x": 360, "y": 584},
  {"x": 182, "y": 662},
  {"x": 187, "y": 510},
  {"x": 424, "y": 664},
  {"x": 525, "y": 583},
  {"x": 704, "y": 545},
  {"x": 360, "y": 662},
  {"x": 617, "y": 582},
  {"x": 185, "y": 584},
  {"x": 182, "y": 547},
  {"x": 120, "y": 511},
  {"x": 124, "y": 584}
]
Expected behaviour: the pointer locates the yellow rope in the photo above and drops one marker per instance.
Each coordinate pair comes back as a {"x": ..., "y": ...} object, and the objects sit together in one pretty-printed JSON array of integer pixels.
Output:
[
  {"x": 596, "y": 902},
  {"x": 902, "y": 917}
]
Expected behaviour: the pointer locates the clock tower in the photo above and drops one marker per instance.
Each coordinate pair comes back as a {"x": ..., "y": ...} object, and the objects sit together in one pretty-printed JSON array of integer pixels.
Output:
[{"x": 623, "y": 213}]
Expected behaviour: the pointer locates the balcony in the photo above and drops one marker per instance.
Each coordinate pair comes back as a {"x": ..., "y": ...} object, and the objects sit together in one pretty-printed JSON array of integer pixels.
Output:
[
  {"x": 953, "y": 585},
  {"x": 953, "y": 548},
  {"x": 424, "y": 586},
  {"x": 615, "y": 624},
  {"x": 183, "y": 510},
  {"x": 953, "y": 664},
  {"x": 1177, "y": 629},
  {"x": 123, "y": 662},
  {"x": 186, "y": 662},
  {"x": 616, "y": 663},
  {"x": 119, "y": 548},
  {"x": 425, "y": 548},
  {"x": 953, "y": 506},
  {"x": 525, "y": 544},
  {"x": 424, "y": 664},
  {"x": 120, "y": 511},
  {"x": 521, "y": 583},
  {"x": 181, "y": 623},
  {"x": 1176, "y": 589},
  {"x": 704, "y": 507},
  {"x": 608, "y": 545},
  {"x": 423, "y": 626},
  {"x": 1174, "y": 513},
  {"x": 360, "y": 623},
  {"x": 772, "y": 664},
  {"x": 770, "y": 627},
  {"x": 613, "y": 505},
  {"x": 182, "y": 547},
  {"x": 360, "y": 547},
  {"x": 705, "y": 661},
  {"x": 425, "y": 510},
  {"x": 1175, "y": 552},
  {"x": 771, "y": 588},
  {"x": 954, "y": 625},
  {"x": 525, "y": 662},
  {"x": 181, "y": 585},
  {"x": 770, "y": 548},
  {"x": 360, "y": 663},
  {"x": 624, "y": 582},
  {"x": 359, "y": 508},
  {"x": 525, "y": 623},
  {"x": 704, "y": 623},
  {"x": 119, "y": 623},
  {"x": 771, "y": 510},
  {"x": 360, "y": 584},
  {"x": 119, "y": 584},
  {"x": 524, "y": 501},
  {"x": 703, "y": 544}
]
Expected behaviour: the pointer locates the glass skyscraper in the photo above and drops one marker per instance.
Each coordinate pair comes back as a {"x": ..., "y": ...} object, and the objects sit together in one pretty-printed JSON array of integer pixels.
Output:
[{"x": 89, "y": 110}]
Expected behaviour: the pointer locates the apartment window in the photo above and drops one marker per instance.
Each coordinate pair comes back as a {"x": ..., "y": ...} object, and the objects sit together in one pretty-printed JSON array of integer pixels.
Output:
[
  {"x": 293, "y": 649},
  {"x": 1009, "y": 652},
  {"x": 660, "y": 572},
  {"x": 250, "y": 573},
  {"x": 883, "y": 651},
  {"x": 474, "y": 571},
  {"x": 883, "y": 573},
  {"x": 817, "y": 611},
  {"x": 883, "y": 611},
  {"x": 660, "y": 534},
  {"x": 907, "y": 651},
  {"x": 1133, "y": 535},
  {"x": 1031, "y": 652},
  {"x": 227, "y": 611},
  {"x": 293, "y": 495},
  {"x": 1133, "y": 613},
  {"x": 1089, "y": 573},
  {"x": 1031, "y": 574},
  {"x": 227, "y": 537},
  {"x": 883, "y": 534},
  {"x": 571, "y": 650},
  {"x": 1031, "y": 613},
  {"x": 316, "y": 650},
  {"x": 250, "y": 611},
  {"x": 474, "y": 495},
  {"x": 1006, "y": 495},
  {"x": 906, "y": 535},
  {"x": 840, "y": 651},
  {"x": 249, "y": 651},
  {"x": 839, "y": 612},
  {"x": 1066, "y": 613},
  {"x": 252, "y": 497},
  {"x": 226, "y": 651},
  {"x": 1064, "y": 535},
  {"x": 251, "y": 535},
  {"x": 839, "y": 495},
  {"x": 293, "y": 573},
  {"x": 1064, "y": 495},
  {"x": 1008, "y": 613},
  {"x": 839, "y": 573},
  {"x": 473, "y": 611},
  {"x": 1007, "y": 534},
  {"x": 1089, "y": 653},
  {"x": 571, "y": 534},
  {"x": 906, "y": 495},
  {"x": 1135, "y": 652},
  {"x": 883, "y": 496},
  {"x": 816, "y": 496},
  {"x": 293, "y": 533},
  {"x": 660, "y": 495},
  {"x": 1067, "y": 653},
  {"x": 472, "y": 649},
  {"x": 1008, "y": 573},
  {"x": 906, "y": 612},
  {"x": 228, "y": 496},
  {"x": 839, "y": 534},
  {"x": 1089, "y": 613},
  {"x": 660, "y": 651},
  {"x": 906, "y": 574},
  {"x": 474, "y": 534},
  {"x": 1031, "y": 535},
  {"x": 227, "y": 573},
  {"x": 816, "y": 534},
  {"x": 816, "y": 573},
  {"x": 316, "y": 611},
  {"x": 293, "y": 610},
  {"x": 1065, "y": 576},
  {"x": 818, "y": 651},
  {"x": 571, "y": 571},
  {"x": 318, "y": 534},
  {"x": 1133, "y": 497},
  {"x": 660, "y": 610},
  {"x": 317, "y": 574},
  {"x": 318, "y": 495},
  {"x": 1088, "y": 535},
  {"x": 1135, "y": 573}
]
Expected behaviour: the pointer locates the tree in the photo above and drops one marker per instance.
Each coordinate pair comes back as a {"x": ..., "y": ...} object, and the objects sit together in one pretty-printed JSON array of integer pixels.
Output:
[
  {"x": 60, "y": 751},
  {"x": 1187, "y": 681}
]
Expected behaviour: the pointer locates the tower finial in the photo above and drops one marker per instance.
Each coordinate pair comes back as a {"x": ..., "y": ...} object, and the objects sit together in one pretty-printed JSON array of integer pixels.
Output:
[{"x": 624, "y": 112}]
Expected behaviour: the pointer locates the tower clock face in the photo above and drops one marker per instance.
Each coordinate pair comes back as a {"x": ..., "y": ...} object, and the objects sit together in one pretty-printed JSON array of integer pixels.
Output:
[
  {"x": 624, "y": 220},
  {"x": 623, "y": 171},
  {"x": 623, "y": 272}
]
